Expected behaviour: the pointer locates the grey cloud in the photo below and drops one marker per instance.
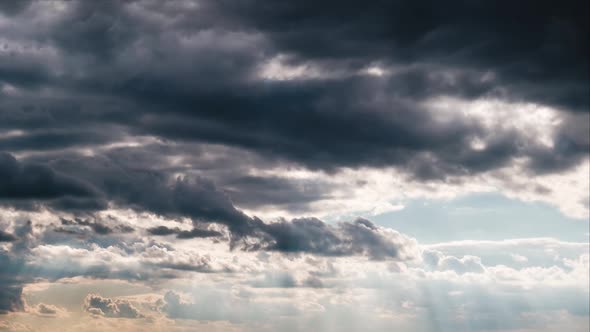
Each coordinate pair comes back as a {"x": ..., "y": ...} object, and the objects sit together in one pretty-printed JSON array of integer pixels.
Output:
[
  {"x": 197, "y": 197},
  {"x": 202, "y": 201},
  {"x": 360, "y": 237},
  {"x": 349, "y": 121},
  {"x": 257, "y": 191},
  {"x": 50, "y": 139},
  {"x": 11, "y": 296},
  {"x": 97, "y": 226},
  {"x": 567, "y": 153},
  {"x": 13, "y": 7},
  {"x": 338, "y": 139},
  {"x": 226, "y": 167},
  {"x": 198, "y": 233},
  {"x": 23, "y": 263},
  {"x": 30, "y": 181},
  {"x": 158, "y": 261},
  {"x": 111, "y": 308},
  {"x": 525, "y": 45},
  {"x": 46, "y": 310},
  {"x": 6, "y": 237},
  {"x": 176, "y": 308},
  {"x": 276, "y": 280},
  {"x": 162, "y": 230},
  {"x": 103, "y": 73},
  {"x": 76, "y": 236},
  {"x": 11, "y": 283},
  {"x": 313, "y": 282},
  {"x": 183, "y": 234},
  {"x": 200, "y": 264}
]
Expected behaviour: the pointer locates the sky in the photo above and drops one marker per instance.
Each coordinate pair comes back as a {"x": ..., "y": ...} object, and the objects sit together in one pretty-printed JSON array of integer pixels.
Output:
[{"x": 337, "y": 166}]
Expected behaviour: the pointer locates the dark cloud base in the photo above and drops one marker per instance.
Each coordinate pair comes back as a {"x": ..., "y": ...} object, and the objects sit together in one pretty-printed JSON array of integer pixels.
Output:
[{"x": 168, "y": 81}]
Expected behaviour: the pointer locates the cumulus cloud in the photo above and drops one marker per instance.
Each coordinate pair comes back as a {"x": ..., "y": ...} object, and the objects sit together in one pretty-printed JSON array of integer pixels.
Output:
[
  {"x": 47, "y": 310},
  {"x": 111, "y": 308},
  {"x": 201, "y": 200},
  {"x": 96, "y": 226},
  {"x": 360, "y": 237},
  {"x": 175, "y": 307},
  {"x": 467, "y": 264}
]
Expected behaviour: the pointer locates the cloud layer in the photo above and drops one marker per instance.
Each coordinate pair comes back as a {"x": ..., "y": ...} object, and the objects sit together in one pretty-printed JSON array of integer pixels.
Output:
[{"x": 242, "y": 157}]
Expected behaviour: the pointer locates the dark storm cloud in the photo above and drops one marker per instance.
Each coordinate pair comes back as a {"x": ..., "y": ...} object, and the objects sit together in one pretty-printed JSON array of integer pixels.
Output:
[
  {"x": 162, "y": 231},
  {"x": 197, "y": 198},
  {"x": 197, "y": 233},
  {"x": 226, "y": 167},
  {"x": 13, "y": 7},
  {"x": 48, "y": 140},
  {"x": 314, "y": 236},
  {"x": 568, "y": 152},
  {"x": 258, "y": 191},
  {"x": 147, "y": 78},
  {"x": 360, "y": 237},
  {"x": 183, "y": 234},
  {"x": 325, "y": 124},
  {"x": 23, "y": 181},
  {"x": 6, "y": 237},
  {"x": 96, "y": 226},
  {"x": 533, "y": 47},
  {"x": 200, "y": 200}
]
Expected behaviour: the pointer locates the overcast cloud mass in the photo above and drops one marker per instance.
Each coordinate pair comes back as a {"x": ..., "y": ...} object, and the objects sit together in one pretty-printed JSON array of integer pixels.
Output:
[{"x": 250, "y": 165}]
